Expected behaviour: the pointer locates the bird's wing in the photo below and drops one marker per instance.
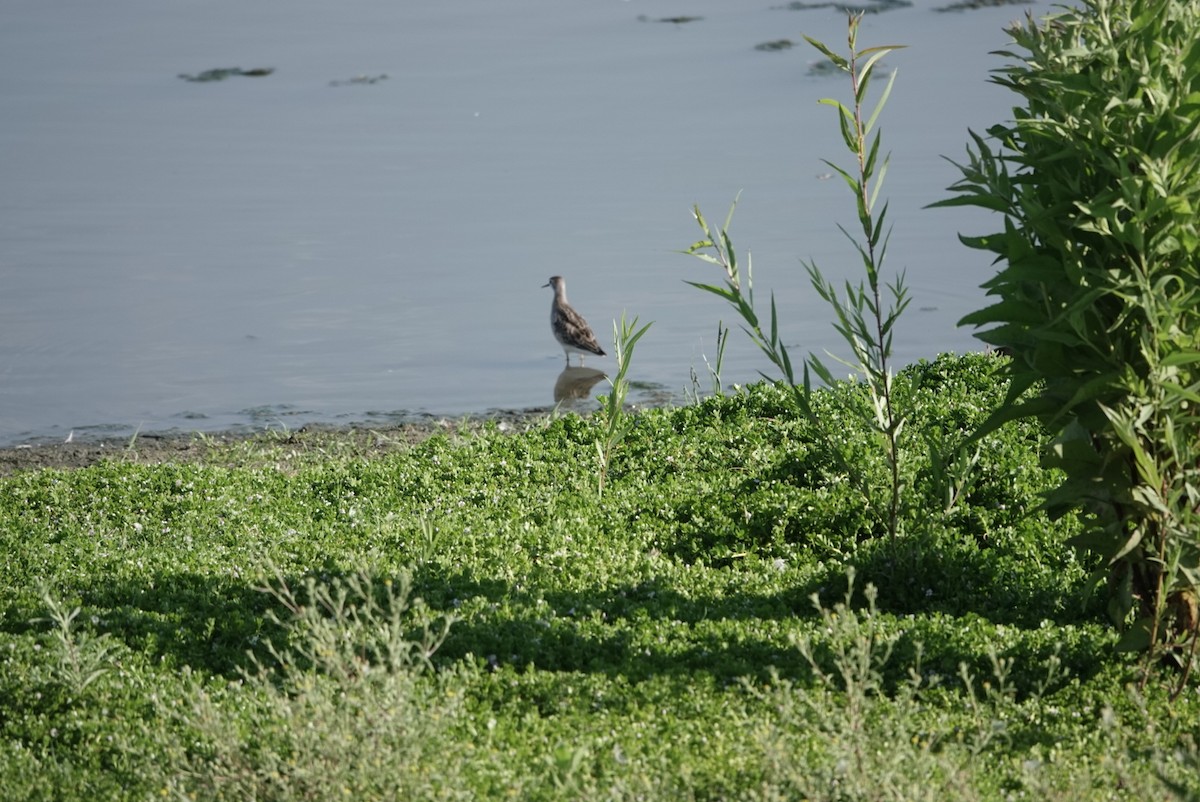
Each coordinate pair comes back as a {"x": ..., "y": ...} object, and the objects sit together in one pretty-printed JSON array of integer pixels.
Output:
[{"x": 578, "y": 330}]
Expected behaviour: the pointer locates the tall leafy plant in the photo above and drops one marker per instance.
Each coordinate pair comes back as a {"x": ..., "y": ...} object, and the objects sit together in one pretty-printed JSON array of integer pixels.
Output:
[
  {"x": 863, "y": 317},
  {"x": 1097, "y": 178},
  {"x": 616, "y": 422},
  {"x": 863, "y": 320}
]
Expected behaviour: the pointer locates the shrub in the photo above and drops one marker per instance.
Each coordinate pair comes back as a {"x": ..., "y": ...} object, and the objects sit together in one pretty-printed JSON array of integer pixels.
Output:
[{"x": 1098, "y": 180}]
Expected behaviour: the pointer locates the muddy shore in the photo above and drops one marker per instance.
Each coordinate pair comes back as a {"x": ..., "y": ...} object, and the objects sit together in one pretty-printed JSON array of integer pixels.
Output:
[{"x": 182, "y": 447}]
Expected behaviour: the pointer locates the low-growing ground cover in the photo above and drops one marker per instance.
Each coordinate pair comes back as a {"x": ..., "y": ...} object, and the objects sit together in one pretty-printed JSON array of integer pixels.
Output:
[{"x": 467, "y": 618}]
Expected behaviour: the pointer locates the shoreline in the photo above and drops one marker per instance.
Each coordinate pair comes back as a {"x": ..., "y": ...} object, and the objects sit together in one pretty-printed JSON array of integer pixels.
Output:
[{"x": 196, "y": 445}]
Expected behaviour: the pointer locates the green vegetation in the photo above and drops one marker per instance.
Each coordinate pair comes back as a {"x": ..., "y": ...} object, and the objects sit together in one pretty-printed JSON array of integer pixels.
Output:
[
  {"x": 467, "y": 619},
  {"x": 713, "y": 368},
  {"x": 617, "y": 422},
  {"x": 861, "y": 319},
  {"x": 1098, "y": 298},
  {"x": 696, "y": 603}
]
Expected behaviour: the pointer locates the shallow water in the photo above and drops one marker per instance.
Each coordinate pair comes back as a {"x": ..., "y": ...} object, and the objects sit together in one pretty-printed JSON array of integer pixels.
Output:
[{"x": 266, "y": 251}]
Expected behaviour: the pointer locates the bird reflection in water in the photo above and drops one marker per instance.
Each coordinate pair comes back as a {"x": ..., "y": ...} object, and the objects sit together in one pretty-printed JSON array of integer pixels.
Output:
[{"x": 576, "y": 383}]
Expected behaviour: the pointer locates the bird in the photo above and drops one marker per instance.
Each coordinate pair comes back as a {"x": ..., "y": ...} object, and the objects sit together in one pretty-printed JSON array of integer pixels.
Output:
[{"x": 570, "y": 329}]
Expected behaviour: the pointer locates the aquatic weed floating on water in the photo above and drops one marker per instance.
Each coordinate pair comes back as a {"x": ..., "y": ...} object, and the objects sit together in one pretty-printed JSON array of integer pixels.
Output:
[{"x": 221, "y": 73}]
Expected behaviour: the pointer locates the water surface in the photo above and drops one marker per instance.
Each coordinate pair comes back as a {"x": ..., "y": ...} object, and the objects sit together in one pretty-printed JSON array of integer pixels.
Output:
[{"x": 268, "y": 251}]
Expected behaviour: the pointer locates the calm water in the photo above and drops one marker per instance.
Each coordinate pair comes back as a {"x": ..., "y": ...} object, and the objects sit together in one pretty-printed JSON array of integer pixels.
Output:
[{"x": 269, "y": 251}]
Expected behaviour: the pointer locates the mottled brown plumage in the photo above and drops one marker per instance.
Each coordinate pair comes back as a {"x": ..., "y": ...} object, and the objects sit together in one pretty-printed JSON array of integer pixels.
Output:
[{"x": 570, "y": 329}]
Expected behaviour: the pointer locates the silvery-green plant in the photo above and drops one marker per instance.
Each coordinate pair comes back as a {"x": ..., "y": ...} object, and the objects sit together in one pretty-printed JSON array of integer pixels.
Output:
[
  {"x": 82, "y": 658},
  {"x": 856, "y": 731},
  {"x": 345, "y": 705},
  {"x": 355, "y": 625}
]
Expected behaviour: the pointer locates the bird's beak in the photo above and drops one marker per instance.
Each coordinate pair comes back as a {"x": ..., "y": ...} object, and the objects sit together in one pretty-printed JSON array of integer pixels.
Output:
[{"x": 547, "y": 284}]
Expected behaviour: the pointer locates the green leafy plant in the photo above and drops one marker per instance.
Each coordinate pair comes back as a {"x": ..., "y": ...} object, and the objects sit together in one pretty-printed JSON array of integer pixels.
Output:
[
  {"x": 716, "y": 247},
  {"x": 1098, "y": 296},
  {"x": 617, "y": 422},
  {"x": 714, "y": 367},
  {"x": 425, "y": 541},
  {"x": 951, "y": 467},
  {"x": 862, "y": 318}
]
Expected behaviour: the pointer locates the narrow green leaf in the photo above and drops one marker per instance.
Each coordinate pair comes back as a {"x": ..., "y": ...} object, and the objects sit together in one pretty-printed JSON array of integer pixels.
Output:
[
  {"x": 774, "y": 322},
  {"x": 872, "y": 153},
  {"x": 839, "y": 61},
  {"x": 883, "y": 98},
  {"x": 637, "y": 335},
  {"x": 787, "y": 365},
  {"x": 845, "y": 123},
  {"x": 1129, "y": 545},
  {"x": 879, "y": 180},
  {"x": 881, "y": 50},
  {"x": 1033, "y": 408},
  {"x": 864, "y": 81},
  {"x": 1181, "y": 358},
  {"x": 850, "y": 180},
  {"x": 990, "y": 202},
  {"x": 819, "y": 368},
  {"x": 732, "y": 208},
  {"x": 720, "y": 292},
  {"x": 730, "y": 254}
]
